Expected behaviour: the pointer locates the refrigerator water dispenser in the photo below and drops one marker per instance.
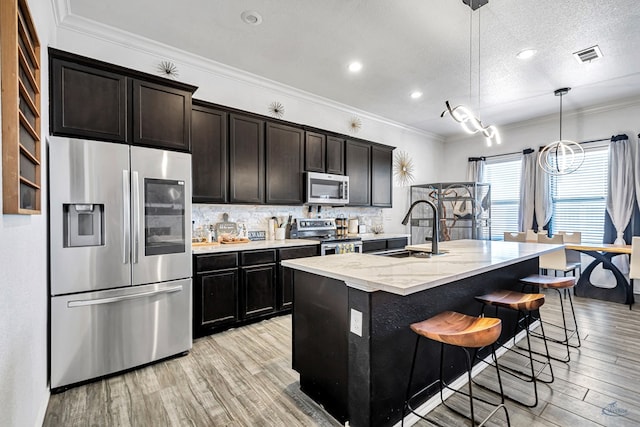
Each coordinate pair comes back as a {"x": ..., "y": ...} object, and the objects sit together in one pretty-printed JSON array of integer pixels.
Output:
[{"x": 83, "y": 224}]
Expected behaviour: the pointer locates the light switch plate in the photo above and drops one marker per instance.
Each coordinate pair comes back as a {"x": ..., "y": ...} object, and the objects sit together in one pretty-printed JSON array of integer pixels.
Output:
[{"x": 356, "y": 322}]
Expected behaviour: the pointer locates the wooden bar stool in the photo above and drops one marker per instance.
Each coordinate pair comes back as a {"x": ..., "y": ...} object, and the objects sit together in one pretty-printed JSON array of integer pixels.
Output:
[
  {"x": 524, "y": 304},
  {"x": 462, "y": 331},
  {"x": 558, "y": 284}
]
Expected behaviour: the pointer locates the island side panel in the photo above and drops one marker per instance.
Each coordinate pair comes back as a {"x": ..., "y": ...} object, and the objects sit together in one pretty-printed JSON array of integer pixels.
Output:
[
  {"x": 320, "y": 326},
  {"x": 392, "y": 342},
  {"x": 359, "y": 361}
]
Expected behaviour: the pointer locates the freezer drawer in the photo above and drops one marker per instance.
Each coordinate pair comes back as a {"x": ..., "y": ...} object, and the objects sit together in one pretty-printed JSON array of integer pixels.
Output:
[{"x": 99, "y": 333}]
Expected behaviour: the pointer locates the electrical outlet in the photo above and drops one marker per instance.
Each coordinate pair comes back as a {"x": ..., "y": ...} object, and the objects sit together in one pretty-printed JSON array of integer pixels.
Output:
[{"x": 356, "y": 322}]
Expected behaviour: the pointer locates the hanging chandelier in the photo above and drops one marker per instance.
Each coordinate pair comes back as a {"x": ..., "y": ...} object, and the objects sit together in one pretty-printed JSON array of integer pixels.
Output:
[
  {"x": 561, "y": 157},
  {"x": 471, "y": 124},
  {"x": 462, "y": 114}
]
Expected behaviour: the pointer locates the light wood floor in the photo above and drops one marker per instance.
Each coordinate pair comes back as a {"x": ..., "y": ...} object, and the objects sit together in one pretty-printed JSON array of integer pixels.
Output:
[{"x": 242, "y": 377}]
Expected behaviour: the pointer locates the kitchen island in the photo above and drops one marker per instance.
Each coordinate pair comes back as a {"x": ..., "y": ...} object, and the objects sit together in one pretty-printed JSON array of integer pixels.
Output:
[{"x": 351, "y": 314}]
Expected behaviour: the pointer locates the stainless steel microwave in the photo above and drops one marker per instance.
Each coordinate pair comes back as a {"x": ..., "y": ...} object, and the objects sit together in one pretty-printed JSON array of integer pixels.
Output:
[{"x": 326, "y": 189}]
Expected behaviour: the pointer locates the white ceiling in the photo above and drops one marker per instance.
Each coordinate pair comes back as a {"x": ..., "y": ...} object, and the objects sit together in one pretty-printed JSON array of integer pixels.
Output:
[{"x": 407, "y": 45}]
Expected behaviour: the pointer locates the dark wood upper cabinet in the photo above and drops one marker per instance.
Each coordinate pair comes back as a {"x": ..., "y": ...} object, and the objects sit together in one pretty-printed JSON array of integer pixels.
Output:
[
  {"x": 314, "y": 152},
  {"x": 246, "y": 159},
  {"x": 285, "y": 156},
  {"x": 381, "y": 176},
  {"x": 161, "y": 116},
  {"x": 92, "y": 99},
  {"x": 209, "y": 160},
  {"x": 358, "y": 168},
  {"x": 323, "y": 153},
  {"x": 335, "y": 155},
  {"x": 87, "y": 102}
]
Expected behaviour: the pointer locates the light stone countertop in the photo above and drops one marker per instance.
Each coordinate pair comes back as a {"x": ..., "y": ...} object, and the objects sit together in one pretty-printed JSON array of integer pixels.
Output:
[
  {"x": 404, "y": 276},
  {"x": 251, "y": 246}
]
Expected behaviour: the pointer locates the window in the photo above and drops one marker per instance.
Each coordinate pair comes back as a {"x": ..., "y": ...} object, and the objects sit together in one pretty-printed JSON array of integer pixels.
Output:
[
  {"x": 580, "y": 198},
  {"x": 503, "y": 173}
]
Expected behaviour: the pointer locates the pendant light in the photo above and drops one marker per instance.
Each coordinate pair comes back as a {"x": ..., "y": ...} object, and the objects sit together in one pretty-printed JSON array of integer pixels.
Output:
[
  {"x": 462, "y": 114},
  {"x": 561, "y": 157}
]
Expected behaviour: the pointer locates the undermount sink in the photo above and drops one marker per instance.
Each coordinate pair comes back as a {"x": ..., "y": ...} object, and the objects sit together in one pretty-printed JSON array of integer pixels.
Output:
[{"x": 413, "y": 254}]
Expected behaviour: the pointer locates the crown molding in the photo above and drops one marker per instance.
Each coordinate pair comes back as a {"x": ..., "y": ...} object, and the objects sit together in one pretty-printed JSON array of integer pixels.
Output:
[
  {"x": 65, "y": 19},
  {"x": 586, "y": 111},
  {"x": 61, "y": 9}
]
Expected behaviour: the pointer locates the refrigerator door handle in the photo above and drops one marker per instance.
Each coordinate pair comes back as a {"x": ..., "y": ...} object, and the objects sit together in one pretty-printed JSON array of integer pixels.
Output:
[
  {"x": 89, "y": 302},
  {"x": 126, "y": 217},
  {"x": 136, "y": 217}
]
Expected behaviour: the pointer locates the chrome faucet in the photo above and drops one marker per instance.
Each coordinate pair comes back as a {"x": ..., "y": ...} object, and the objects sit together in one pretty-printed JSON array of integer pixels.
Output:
[{"x": 435, "y": 233}]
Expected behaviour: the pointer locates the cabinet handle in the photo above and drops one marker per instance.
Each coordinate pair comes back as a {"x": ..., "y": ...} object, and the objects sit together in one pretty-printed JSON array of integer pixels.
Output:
[
  {"x": 136, "y": 216},
  {"x": 126, "y": 217},
  {"x": 88, "y": 302}
]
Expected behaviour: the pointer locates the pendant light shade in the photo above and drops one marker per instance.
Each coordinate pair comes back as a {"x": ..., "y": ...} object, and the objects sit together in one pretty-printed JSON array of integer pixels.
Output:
[
  {"x": 460, "y": 113},
  {"x": 564, "y": 156}
]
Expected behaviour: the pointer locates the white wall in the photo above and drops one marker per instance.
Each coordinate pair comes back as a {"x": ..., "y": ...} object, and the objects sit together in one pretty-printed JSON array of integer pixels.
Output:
[
  {"x": 222, "y": 85},
  {"x": 592, "y": 123},
  {"x": 23, "y": 286}
]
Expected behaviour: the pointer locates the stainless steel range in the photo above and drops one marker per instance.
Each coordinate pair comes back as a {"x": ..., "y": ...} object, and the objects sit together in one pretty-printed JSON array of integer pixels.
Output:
[{"x": 324, "y": 230}]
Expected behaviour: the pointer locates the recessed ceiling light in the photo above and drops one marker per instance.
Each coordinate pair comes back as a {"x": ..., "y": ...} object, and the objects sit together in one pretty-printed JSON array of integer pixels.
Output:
[
  {"x": 416, "y": 94},
  {"x": 526, "y": 53},
  {"x": 251, "y": 17},
  {"x": 355, "y": 66}
]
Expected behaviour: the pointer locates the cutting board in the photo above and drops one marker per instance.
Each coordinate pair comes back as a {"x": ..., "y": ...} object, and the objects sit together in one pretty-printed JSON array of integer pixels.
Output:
[
  {"x": 204, "y": 244},
  {"x": 233, "y": 242},
  {"x": 226, "y": 226}
]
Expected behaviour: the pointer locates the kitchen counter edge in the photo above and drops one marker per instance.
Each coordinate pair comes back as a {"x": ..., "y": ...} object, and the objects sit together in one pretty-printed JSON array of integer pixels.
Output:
[{"x": 405, "y": 276}]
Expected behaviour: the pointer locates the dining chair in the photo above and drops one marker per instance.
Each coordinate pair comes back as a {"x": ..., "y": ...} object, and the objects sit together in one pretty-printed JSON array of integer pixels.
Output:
[
  {"x": 531, "y": 236},
  {"x": 634, "y": 264},
  {"x": 573, "y": 257},
  {"x": 556, "y": 260},
  {"x": 514, "y": 236}
]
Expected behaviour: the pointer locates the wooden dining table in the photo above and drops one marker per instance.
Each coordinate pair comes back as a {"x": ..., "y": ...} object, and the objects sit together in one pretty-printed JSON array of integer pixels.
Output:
[{"x": 602, "y": 254}]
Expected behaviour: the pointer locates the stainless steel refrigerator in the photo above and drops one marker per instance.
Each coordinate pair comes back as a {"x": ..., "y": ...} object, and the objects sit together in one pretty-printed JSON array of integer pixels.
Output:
[{"x": 120, "y": 257}]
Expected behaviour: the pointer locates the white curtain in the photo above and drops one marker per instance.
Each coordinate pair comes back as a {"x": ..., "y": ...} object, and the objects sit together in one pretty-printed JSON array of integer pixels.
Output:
[
  {"x": 637, "y": 171},
  {"x": 475, "y": 169},
  {"x": 543, "y": 203},
  {"x": 527, "y": 190},
  {"x": 620, "y": 190}
]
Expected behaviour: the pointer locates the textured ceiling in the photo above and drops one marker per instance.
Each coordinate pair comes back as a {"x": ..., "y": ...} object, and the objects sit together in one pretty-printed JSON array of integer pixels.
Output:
[{"x": 407, "y": 45}]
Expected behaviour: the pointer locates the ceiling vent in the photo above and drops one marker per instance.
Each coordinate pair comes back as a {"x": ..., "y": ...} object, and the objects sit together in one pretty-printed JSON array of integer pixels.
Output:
[{"x": 589, "y": 54}]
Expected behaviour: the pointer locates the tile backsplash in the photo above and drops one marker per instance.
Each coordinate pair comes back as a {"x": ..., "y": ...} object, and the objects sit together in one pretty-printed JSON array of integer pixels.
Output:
[{"x": 256, "y": 217}]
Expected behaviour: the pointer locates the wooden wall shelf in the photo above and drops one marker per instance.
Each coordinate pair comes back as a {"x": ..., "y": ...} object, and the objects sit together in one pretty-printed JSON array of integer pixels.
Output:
[{"x": 21, "y": 128}]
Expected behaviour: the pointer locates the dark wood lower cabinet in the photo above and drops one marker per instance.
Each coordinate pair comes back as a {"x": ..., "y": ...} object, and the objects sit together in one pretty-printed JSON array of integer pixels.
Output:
[
  {"x": 235, "y": 288},
  {"x": 383, "y": 244},
  {"x": 258, "y": 290},
  {"x": 219, "y": 298},
  {"x": 285, "y": 275}
]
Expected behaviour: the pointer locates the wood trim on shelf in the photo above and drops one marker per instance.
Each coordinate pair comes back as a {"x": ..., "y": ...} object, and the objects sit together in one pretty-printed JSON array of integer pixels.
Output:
[
  {"x": 25, "y": 95},
  {"x": 28, "y": 154},
  {"x": 27, "y": 71}
]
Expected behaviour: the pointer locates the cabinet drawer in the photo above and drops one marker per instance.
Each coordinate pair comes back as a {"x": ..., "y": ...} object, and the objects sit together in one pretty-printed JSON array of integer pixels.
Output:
[
  {"x": 398, "y": 243},
  {"x": 216, "y": 262},
  {"x": 374, "y": 245},
  {"x": 258, "y": 257},
  {"x": 301, "y": 252}
]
